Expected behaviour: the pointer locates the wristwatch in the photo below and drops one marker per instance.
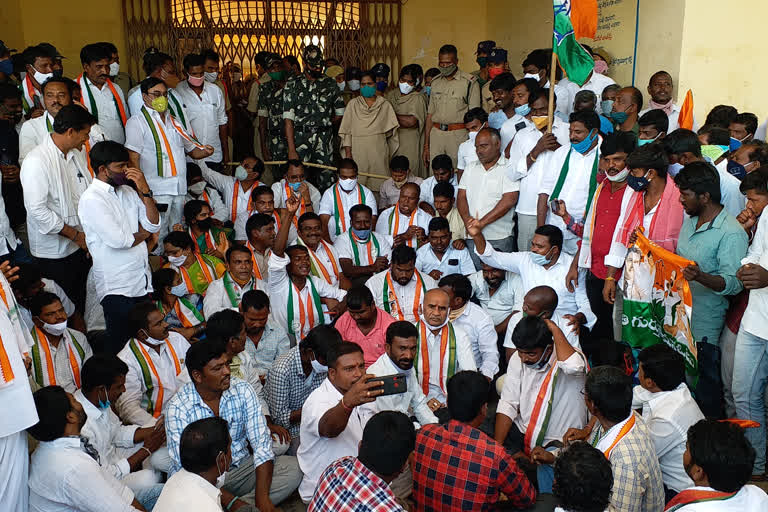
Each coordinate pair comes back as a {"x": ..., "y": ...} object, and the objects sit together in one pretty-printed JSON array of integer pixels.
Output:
[{"x": 148, "y": 194}]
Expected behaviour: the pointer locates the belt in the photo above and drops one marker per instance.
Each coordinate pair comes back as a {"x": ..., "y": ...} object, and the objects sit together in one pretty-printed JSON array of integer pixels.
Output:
[{"x": 449, "y": 127}]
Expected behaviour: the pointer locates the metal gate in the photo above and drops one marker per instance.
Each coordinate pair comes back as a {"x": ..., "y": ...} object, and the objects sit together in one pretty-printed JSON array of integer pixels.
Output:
[{"x": 358, "y": 33}]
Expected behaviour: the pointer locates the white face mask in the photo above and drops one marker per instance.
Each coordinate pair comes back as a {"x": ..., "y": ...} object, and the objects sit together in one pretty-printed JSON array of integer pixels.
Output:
[
  {"x": 621, "y": 176},
  {"x": 354, "y": 85},
  {"x": 41, "y": 77},
  {"x": 211, "y": 77},
  {"x": 535, "y": 76},
  {"x": 153, "y": 341},
  {"x": 114, "y": 69},
  {"x": 179, "y": 290},
  {"x": 348, "y": 184},
  {"x": 445, "y": 322},
  {"x": 55, "y": 329},
  {"x": 342, "y": 85},
  {"x": 241, "y": 173},
  {"x": 405, "y": 88},
  {"x": 473, "y": 136},
  {"x": 177, "y": 261},
  {"x": 197, "y": 188},
  {"x": 222, "y": 474},
  {"x": 318, "y": 368}
]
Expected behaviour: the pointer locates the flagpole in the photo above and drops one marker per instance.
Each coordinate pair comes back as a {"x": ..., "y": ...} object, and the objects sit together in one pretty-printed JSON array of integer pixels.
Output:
[{"x": 551, "y": 107}]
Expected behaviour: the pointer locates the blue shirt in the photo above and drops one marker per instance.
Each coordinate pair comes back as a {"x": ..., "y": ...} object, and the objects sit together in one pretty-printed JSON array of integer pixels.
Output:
[{"x": 717, "y": 247}]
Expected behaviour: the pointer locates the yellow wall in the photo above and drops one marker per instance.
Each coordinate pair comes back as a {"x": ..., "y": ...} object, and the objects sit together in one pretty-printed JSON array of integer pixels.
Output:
[{"x": 11, "y": 31}]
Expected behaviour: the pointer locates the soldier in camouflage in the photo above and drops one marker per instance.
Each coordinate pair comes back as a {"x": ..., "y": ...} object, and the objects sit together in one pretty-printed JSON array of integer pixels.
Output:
[
  {"x": 270, "y": 112},
  {"x": 312, "y": 102}
]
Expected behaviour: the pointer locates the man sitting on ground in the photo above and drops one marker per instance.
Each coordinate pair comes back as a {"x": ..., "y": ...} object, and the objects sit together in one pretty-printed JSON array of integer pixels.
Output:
[
  {"x": 362, "y": 252},
  {"x": 227, "y": 292},
  {"x": 583, "y": 479},
  {"x": 365, "y": 324},
  {"x": 440, "y": 257},
  {"x": 266, "y": 341}
]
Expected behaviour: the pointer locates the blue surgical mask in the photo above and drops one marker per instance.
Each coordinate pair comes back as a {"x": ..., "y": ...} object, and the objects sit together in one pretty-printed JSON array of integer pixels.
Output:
[
  {"x": 496, "y": 119},
  {"x": 606, "y": 106},
  {"x": 362, "y": 234},
  {"x": 736, "y": 169},
  {"x": 735, "y": 144},
  {"x": 6, "y": 66},
  {"x": 542, "y": 362},
  {"x": 619, "y": 117},
  {"x": 241, "y": 173},
  {"x": 638, "y": 184},
  {"x": 179, "y": 290},
  {"x": 368, "y": 91},
  {"x": 381, "y": 86},
  {"x": 643, "y": 142},
  {"x": 673, "y": 169},
  {"x": 104, "y": 405},
  {"x": 295, "y": 186},
  {"x": 583, "y": 146},
  {"x": 540, "y": 259},
  {"x": 427, "y": 90},
  {"x": 523, "y": 110}
]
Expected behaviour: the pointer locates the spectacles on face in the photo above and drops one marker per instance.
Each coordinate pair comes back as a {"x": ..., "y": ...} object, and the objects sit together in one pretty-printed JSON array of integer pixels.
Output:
[{"x": 156, "y": 94}]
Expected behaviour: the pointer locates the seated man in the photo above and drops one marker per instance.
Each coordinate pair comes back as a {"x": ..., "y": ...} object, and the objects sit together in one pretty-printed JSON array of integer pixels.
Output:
[
  {"x": 295, "y": 375},
  {"x": 58, "y": 353},
  {"x": 335, "y": 414},
  {"x": 474, "y": 321},
  {"x": 325, "y": 260},
  {"x": 236, "y": 190},
  {"x": 299, "y": 296},
  {"x": 400, "y": 351},
  {"x": 443, "y": 350},
  {"x": 405, "y": 222},
  {"x": 583, "y": 479},
  {"x": 445, "y": 206},
  {"x": 261, "y": 233},
  {"x": 399, "y": 290},
  {"x": 541, "y": 398},
  {"x": 122, "y": 448},
  {"x": 485, "y": 471},
  {"x": 364, "y": 323},
  {"x": 338, "y": 201},
  {"x": 198, "y": 188},
  {"x": 63, "y": 472},
  {"x": 668, "y": 410},
  {"x": 31, "y": 282},
  {"x": 440, "y": 257},
  {"x": 400, "y": 175},
  {"x": 265, "y": 340},
  {"x": 155, "y": 358},
  {"x": 624, "y": 439},
  {"x": 388, "y": 440},
  {"x": 719, "y": 460},
  {"x": 263, "y": 201},
  {"x": 442, "y": 172},
  {"x": 197, "y": 270},
  {"x": 227, "y": 292},
  {"x": 294, "y": 183},
  {"x": 362, "y": 252},
  {"x": 499, "y": 292},
  {"x": 256, "y": 475}
]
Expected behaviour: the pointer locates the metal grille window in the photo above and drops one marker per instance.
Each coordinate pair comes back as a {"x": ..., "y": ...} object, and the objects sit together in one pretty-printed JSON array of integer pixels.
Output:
[{"x": 358, "y": 33}]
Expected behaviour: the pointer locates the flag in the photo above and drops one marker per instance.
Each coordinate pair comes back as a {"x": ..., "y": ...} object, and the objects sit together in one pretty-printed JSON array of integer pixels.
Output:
[
  {"x": 685, "y": 119},
  {"x": 574, "y": 17},
  {"x": 657, "y": 301}
]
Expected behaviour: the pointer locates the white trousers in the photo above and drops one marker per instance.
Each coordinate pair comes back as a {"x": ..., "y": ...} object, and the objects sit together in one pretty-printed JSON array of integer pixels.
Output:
[{"x": 14, "y": 469}]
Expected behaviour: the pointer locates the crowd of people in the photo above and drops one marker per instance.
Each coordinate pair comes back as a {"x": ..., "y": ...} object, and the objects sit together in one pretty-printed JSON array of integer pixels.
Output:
[{"x": 401, "y": 297}]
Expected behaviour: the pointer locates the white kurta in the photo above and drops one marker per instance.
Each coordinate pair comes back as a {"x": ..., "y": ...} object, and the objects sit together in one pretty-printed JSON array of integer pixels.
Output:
[{"x": 405, "y": 294}]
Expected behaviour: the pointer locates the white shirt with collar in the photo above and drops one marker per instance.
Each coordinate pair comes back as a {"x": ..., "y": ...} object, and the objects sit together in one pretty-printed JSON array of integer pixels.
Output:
[
  {"x": 405, "y": 294},
  {"x": 317, "y": 452},
  {"x": 16, "y": 395},
  {"x": 217, "y": 298},
  {"x": 280, "y": 197},
  {"x": 428, "y": 185},
  {"x": 465, "y": 361},
  {"x": 385, "y": 227},
  {"x": 53, "y": 184},
  {"x": 34, "y": 132},
  {"x": 348, "y": 200},
  {"x": 672, "y": 116},
  {"x": 478, "y": 326},
  {"x": 454, "y": 261},
  {"x": 188, "y": 491},
  {"x": 510, "y": 128},
  {"x": 324, "y": 255},
  {"x": 110, "y": 216},
  {"x": 668, "y": 415},
  {"x": 63, "y": 478},
  {"x": 412, "y": 400},
  {"x": 206, "y": 114},
  {"x": 562, "y": 323},
  {"x": 533, "y": 274},
  {"x": 343, "y": 246},
  {"x": 465, "y": 155},
  {"x": 129, "y": 406},
  {"x": 61, "y": 363},
  {"x": 136, "y": 101},
  {"x": 749, "y": 498},
  {"x": 596, "y": 84},
  {"x": 108, "y": 116},
  {"x": 507, "y": 298},
  {"x": 484, "y": 189},
  {"x": 754, "y": 317}
]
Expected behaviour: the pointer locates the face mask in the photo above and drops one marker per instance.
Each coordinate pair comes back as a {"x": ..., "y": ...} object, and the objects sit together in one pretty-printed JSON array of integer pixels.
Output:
[
  {"x": 427, "y": 90},
  {"x": 316, "y": 73},
  {"x": 673, "y": 169},
  {"x": 348, "y": 184},
  {"x": 399, "y": 183},
  {"x": 496, "y": 119},
  {"x": 600, "y": 67},
  {"x": 41, "y": 77},
  {"x": 354, "y": 85},
  {"x": 104, "y": 405},
  {"x": 381, "y": 86},
  {"x": 448, "y": 71},
  {"x": 713, "y": 152},
  {"x": 196, "y": 81},
  {"x": 638, "y": 184},
  {"x": 6, "y": 66},
  {"x": 342, "y": 86},
  {"x": 583, "y": 146},
  {"x": 405, "y": 88},
  {"x": 494, "y": 72},
  {"x": 606, "y": 106},
  {"x": 276, "y": 75},
  {"x": 541, "y": 363},
  {"x": 295, "y": 186},
  {"x": 445, "y": 322},
  {"x": 368, "y": 91},
  {"x": 212, "y": 76},
  {"x": 482, "y": 61},
  {"x": 114, "y": 69},
  {"x": 540, "y": 259},
  {"x": 539, "y": 121},
  {"x": 523, "y": 110},
  {"x": 177, "y": 261},
  {"x": 361, "y": 234},
  {"x": 736, "y": 169},
  {"x": 643, "y": 142},
  {"x": 735, "y": 143},
  {"x": 237, "y": 77},
  {"x": 535, "y": 76},
  {"x": 619, "y": 117},
  {"x": 205, "y": 224},
  {"x": 621, "y": 176},
  {"x": 153, "y": 341},
  {"x": 473, "y": 136},
  {"x": 117, "y": 179},
  {"x": 318, "y": 368},
  {"x": 55, "y": 329},
  {"x": 179, "y": 290},
  {"x": 241, "y": 173},
  {"x": 222, "y": 474},
  {"x": 197, "y": 188},
  {"x": 160, "y": 104}
]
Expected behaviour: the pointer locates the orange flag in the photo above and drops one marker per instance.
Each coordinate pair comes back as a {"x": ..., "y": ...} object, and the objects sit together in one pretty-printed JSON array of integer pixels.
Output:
[
  {"x": 584, "y": 18},
  {"x": 685, "y": 119},
  {"x": 742, "y": 423}
]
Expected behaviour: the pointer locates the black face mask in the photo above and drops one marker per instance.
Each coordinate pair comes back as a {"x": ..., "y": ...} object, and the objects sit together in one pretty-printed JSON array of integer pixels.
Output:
[
  {"x": 205, "y": 225},
  {"x": 316, "y": 73}
]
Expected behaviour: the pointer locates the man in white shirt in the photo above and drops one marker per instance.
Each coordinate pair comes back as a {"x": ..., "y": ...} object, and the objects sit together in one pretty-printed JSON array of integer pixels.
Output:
[
  {"x": 262, "y": 201},
  {"x": 718, "y": 459},
  {"x": 405, "y": 222},
  {"x": 537, "y": 66},
  {"x": 29, "y": 283},
  {"x": 121, "y": 224},
  {"x": 101, "y": 96},
  {"x": 487, "y": 194},
  {"x": 442, "y": 170},
  {"x": 400, "y": 290},
  {"x": 595, "y": 83},
  {"x": 325, "y": 259},
  {"x": 660, "y": 88},
  {"x": 148, "y": 391},
  {"x": 294, "y": 183},
  {"x": 160, "y": 65},
  {"x": 668, "y": 409},
  {"x": 440, "y": 257},
  {"x": 158, "y": 145},
  {"x": 522, "y": 94},
  {"x": 198, "y": 188},
  {"x": 361, "y": 251},
  {"x": 475, "y": 120},
  {"x": 227, "y": 292},
  {"x": 260, "y": 235},
  {"x": 64, "y": 473},
  {"x": 335, "y": 414},
  {"x": 205, "y": 104},
  {"x": 569, "y": 173},
  {"x": 499, "y": 292},
  {"x": 53, "y": 181},
  {"x": 337, "y": 202},
  {"x": 474, "y": 321},
  {"x": 265, "y": 340}
]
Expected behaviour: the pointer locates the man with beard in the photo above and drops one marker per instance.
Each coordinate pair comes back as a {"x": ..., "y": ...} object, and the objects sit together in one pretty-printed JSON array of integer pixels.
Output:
[
  {"x": 362, "y": 252},
  {"x": 499, "y": 292},
  {"x": 266, "y": 341}
]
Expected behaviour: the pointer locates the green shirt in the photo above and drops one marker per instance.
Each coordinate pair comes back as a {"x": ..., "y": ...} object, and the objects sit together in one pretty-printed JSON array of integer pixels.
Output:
[{"x": 312, "y": 104}]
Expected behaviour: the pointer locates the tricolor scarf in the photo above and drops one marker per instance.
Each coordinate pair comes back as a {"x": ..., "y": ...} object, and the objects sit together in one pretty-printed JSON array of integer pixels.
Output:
[
  {"x": 198, "y": 276},
  {"x": 316, "y": 266},
  {"x": 256, "y": 270},
  {"x": 447, "y": 342},
  {"x": 309, "y": 317},
  {"x": 625, "y": 429},
  {"x": 372, "y": 241},
  {"x": 154, "y": 396},
  {"x": 391, "y": 302},
  {"x": 43, "y": 368},
  {"x": 592, "y": 180},
  {"x": 178, "y": 112},
  {"x": 235, "y": 196},
  {"x": 690, "y": 496},
  {"x": 236, "y": 296},
  {"x": 158, "y": 132},
  {"x": 28, "y": 94},
  {"x": 185, "y": 311},
  {"x": 339, "y": 215},
  {"x": 394, "y": 219},
  {"x": 85, "y": 88},
  {"x": 542, "y": 409},
  {"x": 6, "y": 371}
]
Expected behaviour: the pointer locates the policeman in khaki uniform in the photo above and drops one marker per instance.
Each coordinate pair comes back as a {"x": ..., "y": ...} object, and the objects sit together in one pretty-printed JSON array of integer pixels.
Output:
[
  {"x": 497, "y": 64},
  {"x": 312, "y": 102},
  {"x": 270, "y": 111},
  {"x": 483, "y": 52},
  {"x": 454, "y": 92}
]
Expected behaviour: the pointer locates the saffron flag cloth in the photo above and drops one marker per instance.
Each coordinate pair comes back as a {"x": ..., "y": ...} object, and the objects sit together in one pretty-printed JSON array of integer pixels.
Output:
[
  {"x": 685, "y": 118},
  {"x": 574, "y": 18},
  {"x": 657, "y": 301}
]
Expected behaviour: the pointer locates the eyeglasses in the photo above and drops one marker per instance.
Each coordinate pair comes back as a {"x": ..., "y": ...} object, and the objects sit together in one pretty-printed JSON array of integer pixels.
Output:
[{"x": 158, "y": 94}]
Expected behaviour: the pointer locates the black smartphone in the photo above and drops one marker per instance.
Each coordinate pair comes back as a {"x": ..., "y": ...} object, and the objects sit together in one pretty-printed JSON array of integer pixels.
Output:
[
  {"x": 454, "y": 262},
  {"x": 392, "y": 384},
  {"x": 162, "y": 208}
]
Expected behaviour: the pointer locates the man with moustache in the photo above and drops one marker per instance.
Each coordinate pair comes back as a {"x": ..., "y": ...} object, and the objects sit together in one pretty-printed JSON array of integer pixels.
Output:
[
  {"x": 325, "y": 259},
  {"x": 405, "y": 222}
]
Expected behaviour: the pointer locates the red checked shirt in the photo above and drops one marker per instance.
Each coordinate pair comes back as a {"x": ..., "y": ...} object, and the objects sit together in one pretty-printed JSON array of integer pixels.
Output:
[
  {"x": 458, "y": 467},
  {"x": 348, "y": 485}
]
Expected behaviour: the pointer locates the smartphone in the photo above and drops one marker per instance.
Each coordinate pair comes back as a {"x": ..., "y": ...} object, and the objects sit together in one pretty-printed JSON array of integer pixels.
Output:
[
  {"x": 454, "y": 262},
  {"x": 162, "y": 208},
  {"x": 392, "y": 384}
]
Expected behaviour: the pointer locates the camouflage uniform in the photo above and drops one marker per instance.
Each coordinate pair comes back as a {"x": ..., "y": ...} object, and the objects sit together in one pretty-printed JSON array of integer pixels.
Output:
[
  {"x": 312, "y": 105},
  {"x": 270, "y": 106}
]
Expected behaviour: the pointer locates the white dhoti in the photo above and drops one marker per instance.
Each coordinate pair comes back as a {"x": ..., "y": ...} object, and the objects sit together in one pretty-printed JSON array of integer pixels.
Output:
[{"x": 14, "y": 469}]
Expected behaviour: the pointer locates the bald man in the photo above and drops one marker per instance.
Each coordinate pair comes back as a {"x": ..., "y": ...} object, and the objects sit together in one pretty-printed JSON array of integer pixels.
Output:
[
  {"x": 626, "y": 110},
  {"x": 442, "y": 338},
  {"x": 405, "y": 222}
]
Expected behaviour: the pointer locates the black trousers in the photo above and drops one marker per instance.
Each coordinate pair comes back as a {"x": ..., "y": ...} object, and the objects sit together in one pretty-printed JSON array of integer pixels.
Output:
[
  {"x": 603, "y": 329},
  {"x": 71, "y": 273},
  {"x": 116, "y": 316}
]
